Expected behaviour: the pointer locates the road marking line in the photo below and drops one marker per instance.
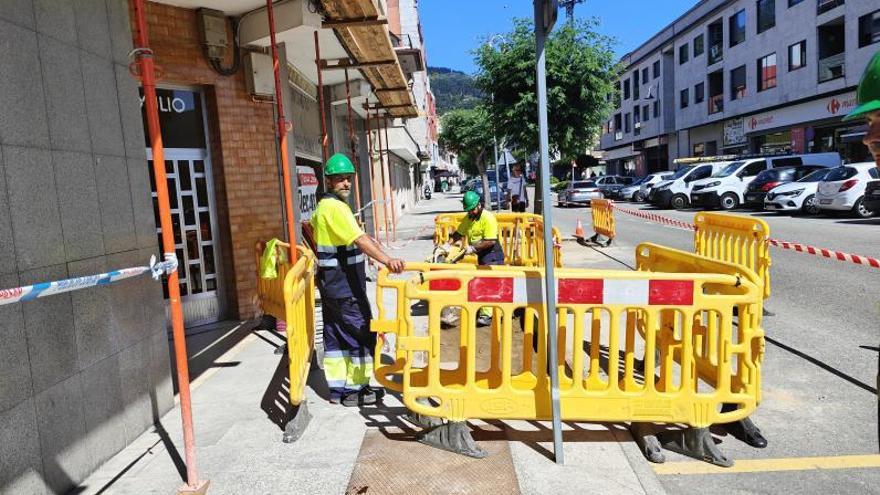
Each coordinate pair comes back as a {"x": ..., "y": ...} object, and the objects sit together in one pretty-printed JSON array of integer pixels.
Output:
[{"x": 770, "y": 465}]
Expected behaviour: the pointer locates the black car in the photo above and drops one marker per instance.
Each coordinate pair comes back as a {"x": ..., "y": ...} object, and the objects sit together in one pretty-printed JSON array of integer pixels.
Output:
[
  {"x": 768, "y": 179},
  {"x": 610, "y": 185},
  {"x": 872, "y": 197}
]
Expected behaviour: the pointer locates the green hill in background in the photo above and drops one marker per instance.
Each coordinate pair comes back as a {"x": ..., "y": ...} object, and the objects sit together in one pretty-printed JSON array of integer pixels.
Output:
[{"x": 452, "y": 89}]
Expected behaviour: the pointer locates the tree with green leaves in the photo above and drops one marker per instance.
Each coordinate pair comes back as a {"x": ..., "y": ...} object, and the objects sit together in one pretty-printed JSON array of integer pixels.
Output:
[
  {"x": 468, "y": 134},
  {"x": 581, "y": 70}
]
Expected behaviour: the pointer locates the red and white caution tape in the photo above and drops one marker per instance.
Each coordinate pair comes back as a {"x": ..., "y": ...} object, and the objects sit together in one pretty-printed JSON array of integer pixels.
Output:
[
  {"x": 827, "y": 253},
  {"x": 793, "y": 246},
  {"x": 656, "y": 218}
]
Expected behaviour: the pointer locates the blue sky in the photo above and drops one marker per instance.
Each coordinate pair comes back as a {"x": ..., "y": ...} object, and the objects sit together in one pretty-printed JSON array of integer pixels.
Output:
[{"x": 452, "y": 28}]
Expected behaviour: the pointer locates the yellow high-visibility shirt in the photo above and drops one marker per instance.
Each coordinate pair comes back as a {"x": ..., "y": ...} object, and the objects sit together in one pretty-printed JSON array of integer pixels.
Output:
[{"x": 485, "y": 227}]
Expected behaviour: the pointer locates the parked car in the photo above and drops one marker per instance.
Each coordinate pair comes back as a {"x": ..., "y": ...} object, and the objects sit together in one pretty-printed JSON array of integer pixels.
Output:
[
  {"x": 768, "y": 179},
  {"x": 579, "y": 192},
  {"x": 797, "y": 196},
  {"x": 498, "y": 197},
  {"x": 649, "y": 183},
  {"x": 872, "y": 196},
  {"x": 611, "y": 184},
  {"x": 676, "y": 192},
  {"x": 726, "y": 189},
  {"x": 843, "y": 189},
  {"x": 627, "y": 193}
]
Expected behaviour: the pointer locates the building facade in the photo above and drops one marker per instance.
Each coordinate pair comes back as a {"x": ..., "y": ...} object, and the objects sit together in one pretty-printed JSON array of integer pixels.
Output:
[{"x": 744, "y": 76}]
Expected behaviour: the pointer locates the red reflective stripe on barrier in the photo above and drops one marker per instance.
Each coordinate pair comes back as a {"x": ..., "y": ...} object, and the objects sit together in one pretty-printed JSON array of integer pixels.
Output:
[
  {"x": 581, "y": 291},
  {"x": 490, "y": 289},
  {"x": 448, "y": 284},
  {"x": 671, "y": 292}
]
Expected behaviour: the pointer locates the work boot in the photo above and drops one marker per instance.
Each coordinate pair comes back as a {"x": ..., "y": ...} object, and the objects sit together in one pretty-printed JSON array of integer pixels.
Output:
[
  {"x": 366, "y": 396},
  {"x": 484, "y": 321}
]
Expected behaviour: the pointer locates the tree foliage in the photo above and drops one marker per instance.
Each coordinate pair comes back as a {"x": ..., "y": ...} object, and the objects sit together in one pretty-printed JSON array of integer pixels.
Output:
[
  {"x": 581, "y": 70},
  {"x": 453, "y": 89},
  {"x": 467, "y": 133}
]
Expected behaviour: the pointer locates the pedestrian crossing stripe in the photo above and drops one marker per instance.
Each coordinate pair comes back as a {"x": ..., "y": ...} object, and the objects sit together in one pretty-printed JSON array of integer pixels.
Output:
[{"x": 770, "y": 465}]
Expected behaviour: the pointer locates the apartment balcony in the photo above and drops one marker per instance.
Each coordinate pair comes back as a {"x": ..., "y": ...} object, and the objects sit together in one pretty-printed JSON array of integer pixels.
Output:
[
  {"x": 823, "y": 6},
  {"x": 832, "y": 67},
  {"x": 402, "y": 144},
  {"x": 716, "y": 104},
  {"x": 409, "y": 54}
]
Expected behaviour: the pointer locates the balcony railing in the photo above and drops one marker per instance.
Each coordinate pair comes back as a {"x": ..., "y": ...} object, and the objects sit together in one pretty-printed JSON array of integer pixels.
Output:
[
  {"x": 401, "y": 41},
  {"x": 716, "y": 104},
  {"x": 823, "y": 6},
  {"x": 832, "y": 67}
]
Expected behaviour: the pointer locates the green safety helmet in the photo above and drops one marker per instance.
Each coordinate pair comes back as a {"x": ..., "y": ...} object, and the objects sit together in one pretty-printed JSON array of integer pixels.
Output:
[
  {"x": 869, "y": 90},
  {"x": 338, "y": 164},
  {"x": 470, "y": 200}
]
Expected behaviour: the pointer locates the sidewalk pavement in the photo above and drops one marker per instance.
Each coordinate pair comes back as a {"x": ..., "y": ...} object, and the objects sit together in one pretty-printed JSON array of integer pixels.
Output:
[{"x": 239, "y": 402}]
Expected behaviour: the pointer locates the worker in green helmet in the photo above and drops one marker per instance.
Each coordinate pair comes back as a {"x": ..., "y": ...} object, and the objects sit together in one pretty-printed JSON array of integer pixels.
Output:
[
  {"x": 481, "y": 230},
  {"x": 341, "y": 244},
  {"x": 869, "y": 106}
]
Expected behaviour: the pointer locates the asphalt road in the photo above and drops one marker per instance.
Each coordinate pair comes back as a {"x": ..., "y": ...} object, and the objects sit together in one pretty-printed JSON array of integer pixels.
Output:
[{"x": 820, "y": 368}]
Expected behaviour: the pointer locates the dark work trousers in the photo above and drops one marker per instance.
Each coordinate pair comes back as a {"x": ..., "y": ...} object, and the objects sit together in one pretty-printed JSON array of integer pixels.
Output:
[{"x": 348, "y": 345}]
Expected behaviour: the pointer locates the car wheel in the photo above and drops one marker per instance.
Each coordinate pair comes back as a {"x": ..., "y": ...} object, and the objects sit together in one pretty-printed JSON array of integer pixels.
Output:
[
  {"x": 860, "y": 210},
  {"x": 729, "y": 201},
  {"x": 811, "y": 205},
  {"x": 679, "y": 201},
  {"x": 637, "y": 197}
]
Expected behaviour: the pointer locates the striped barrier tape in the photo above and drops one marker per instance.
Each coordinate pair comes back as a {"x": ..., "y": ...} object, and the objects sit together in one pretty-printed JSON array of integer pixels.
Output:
[
  {"x": 43, "y": 289},
  {"x": 793, "y": 246}
]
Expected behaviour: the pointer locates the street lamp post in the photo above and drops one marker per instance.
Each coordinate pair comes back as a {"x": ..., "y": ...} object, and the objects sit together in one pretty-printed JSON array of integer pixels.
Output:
[{"x": 545, "y": 16}]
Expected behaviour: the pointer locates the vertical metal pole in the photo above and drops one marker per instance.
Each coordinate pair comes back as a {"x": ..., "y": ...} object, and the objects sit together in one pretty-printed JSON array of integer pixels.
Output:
[
  {"x": 354, "y": 155},
  {"x": 151, "y": 107},
  {"x": 374, "y": 197},
  {"x": 550, "y": 279},
  {"x": 384, "y": 186},
  {"x": 324, "y": 144},
  {"x": 282, "y": 138},
  {"x": 390, "y": 181}
]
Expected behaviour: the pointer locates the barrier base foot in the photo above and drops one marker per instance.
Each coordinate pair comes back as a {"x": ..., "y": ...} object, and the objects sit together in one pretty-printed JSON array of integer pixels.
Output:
[
  {"x": 744, "y": 430},
  {"x": 596, "y": 240},
  {"x": 297, "y": 425},
  {"x": 768, "y": 313},
  {"x": 454, "y": 436},
  {"x": 697, "y": 443},
  {"x": 422, "y": 420},
  {"x": 647, "y": 442},
  {"x": 200, "y": 489}
]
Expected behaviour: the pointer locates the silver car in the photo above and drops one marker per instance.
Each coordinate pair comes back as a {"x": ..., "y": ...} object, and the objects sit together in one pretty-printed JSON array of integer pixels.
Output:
[{"x": 579, "y": 192}]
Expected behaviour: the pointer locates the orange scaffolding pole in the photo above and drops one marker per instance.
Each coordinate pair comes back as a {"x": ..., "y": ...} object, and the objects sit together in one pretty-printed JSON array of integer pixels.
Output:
[
  {"x": 384, "y": 184},
  {"x": 390, "y": 183},
  {"x": 354, "y": 154},
  {"x": 373, "y": 194},
  {"x": 282, "y": 138},
  {"x": 324, "y": 144},
  {"x": 148, "y": 79}
]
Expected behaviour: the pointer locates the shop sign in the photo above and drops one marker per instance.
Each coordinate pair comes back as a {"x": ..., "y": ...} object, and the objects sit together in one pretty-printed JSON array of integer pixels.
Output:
[
  {"x": 819, "y": 109},
  {"x": 180, "y": 118},
  {"x": 733, "y": 132},
  {"x": 307, "y": 192}
]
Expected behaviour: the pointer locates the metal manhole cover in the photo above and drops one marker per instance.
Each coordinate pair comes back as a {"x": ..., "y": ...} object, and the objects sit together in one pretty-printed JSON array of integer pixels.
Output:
[{"x": 386, "y": 466}]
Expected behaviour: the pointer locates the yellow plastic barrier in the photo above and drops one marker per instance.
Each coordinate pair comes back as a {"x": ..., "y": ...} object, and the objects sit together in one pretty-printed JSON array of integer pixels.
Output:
[
  {"x": 520, "y": 236},
  {"x": 603, "y": 218},
  {"x": 736, "y": 239},
  {"x": 654, "y": 258},
  {"x": 291, "y": 297},
  {"x": 599, "y": 313}
]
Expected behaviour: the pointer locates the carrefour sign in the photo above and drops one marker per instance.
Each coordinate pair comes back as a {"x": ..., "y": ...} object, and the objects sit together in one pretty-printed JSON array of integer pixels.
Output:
[{"x": 819, "y": 109}]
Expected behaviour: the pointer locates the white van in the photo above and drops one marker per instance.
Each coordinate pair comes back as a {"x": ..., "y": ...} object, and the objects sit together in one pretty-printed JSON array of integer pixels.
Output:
[
  {"x": 676, "y": 191},
  {"x": 648, "y": 184},
  {"x": 726, "y": 189}
]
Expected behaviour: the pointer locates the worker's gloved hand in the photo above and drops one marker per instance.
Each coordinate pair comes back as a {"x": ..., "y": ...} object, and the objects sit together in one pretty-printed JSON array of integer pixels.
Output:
[
  {"x": 396, "y": 265},
  {"x": 470, "y": 250}
]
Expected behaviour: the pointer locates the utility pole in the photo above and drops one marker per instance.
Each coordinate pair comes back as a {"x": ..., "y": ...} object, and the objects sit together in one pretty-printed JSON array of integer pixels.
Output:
[{"x": 569, "y": 8}]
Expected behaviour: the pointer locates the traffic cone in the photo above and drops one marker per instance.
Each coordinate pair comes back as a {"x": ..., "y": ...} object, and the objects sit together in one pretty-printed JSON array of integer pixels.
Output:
[{"x": 579, "y": 230}]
